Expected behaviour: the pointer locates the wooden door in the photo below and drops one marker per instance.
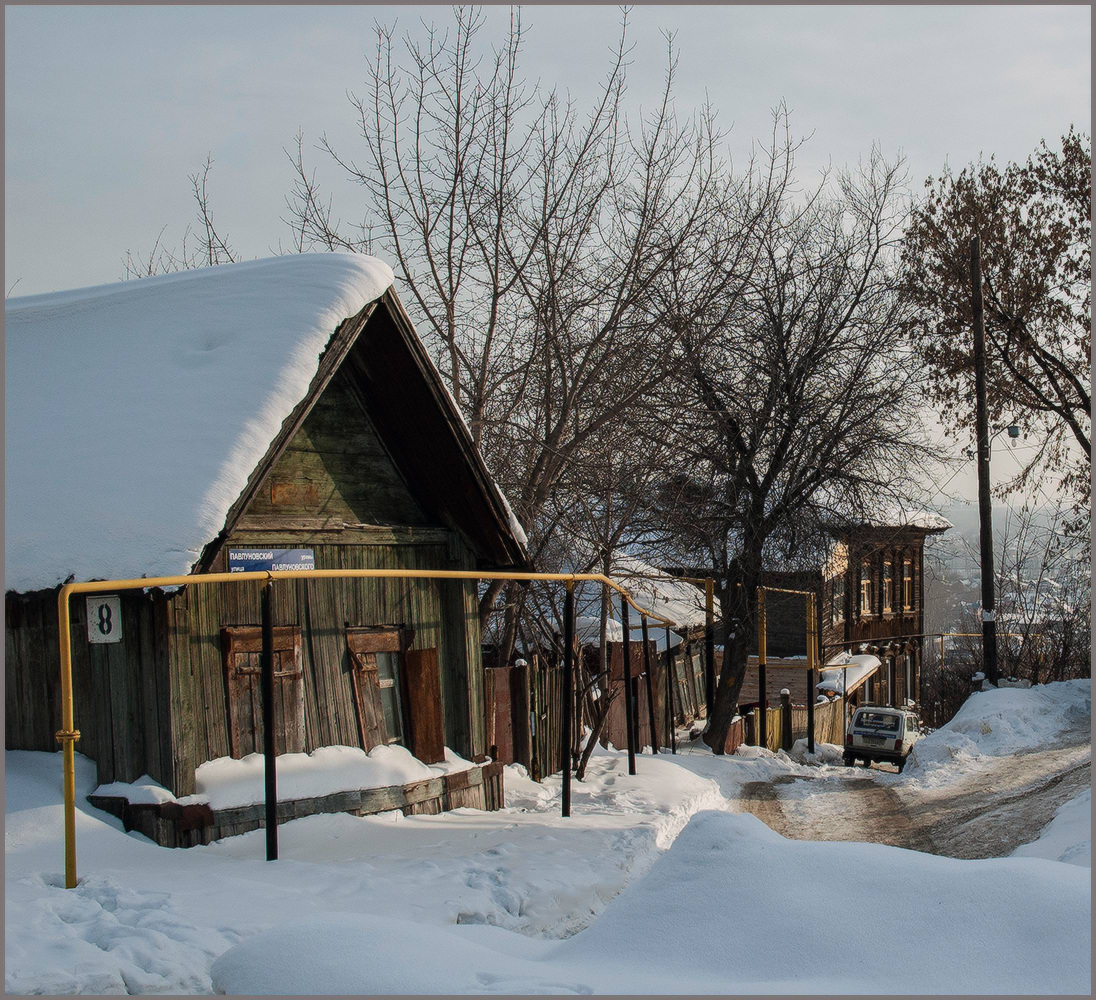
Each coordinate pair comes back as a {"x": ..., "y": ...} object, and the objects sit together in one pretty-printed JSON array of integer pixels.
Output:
[
  {"x": 422, "y": 688},
  {"x": 241, "y": 650}
]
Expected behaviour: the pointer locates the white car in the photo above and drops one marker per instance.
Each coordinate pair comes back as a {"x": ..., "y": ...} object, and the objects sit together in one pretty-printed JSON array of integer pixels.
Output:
[{"x": 878, "y": 732}]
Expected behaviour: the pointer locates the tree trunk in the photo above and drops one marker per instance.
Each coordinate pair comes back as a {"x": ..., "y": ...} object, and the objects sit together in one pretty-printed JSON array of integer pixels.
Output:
[{"x": 742, "y": 601}]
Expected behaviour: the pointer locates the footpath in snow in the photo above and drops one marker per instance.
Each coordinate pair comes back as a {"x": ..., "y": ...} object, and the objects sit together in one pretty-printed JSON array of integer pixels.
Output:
[{"x": 655, "y": 884}]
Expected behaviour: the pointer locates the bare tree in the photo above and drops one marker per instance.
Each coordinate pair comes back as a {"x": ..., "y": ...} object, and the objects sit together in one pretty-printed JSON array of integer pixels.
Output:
[
  {"x": 206, "y": 250},
  {"x": 531, "y": 238},
  {"x": 1034, "y": 226},
  {"x": 803, "y": 402}
]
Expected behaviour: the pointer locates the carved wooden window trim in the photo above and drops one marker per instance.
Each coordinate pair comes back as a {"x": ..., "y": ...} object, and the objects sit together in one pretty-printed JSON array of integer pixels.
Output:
[{"x": 865, "y": 589}]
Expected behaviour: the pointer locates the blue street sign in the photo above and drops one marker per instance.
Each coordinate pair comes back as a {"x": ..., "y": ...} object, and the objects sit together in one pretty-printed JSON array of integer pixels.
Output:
[{"x": 250, "y": 560}]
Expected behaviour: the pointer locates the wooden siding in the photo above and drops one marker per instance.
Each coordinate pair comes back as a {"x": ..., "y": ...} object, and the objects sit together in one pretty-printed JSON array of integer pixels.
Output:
[
  {"x": 121, "y": 691},
  {"x": 334, "y": 469},
  {"x": 323, "y": 609}
]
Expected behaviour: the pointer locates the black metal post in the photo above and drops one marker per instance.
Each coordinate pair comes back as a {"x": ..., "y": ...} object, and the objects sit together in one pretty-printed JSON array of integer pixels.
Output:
[
  {"x": 568, "y": 694},
  {"x": 985, "y": 515},
  {"x": 672, "y": 725},
  {"x": 649, "y": 670},
  {"x": 628, "y": 692},
  {"x": 709, "y": 645},
  {"x": 267, "y": 665}
]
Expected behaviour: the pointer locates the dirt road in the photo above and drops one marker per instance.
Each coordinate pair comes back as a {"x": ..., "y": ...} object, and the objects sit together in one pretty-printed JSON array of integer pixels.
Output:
[{"x": 989, "y": 812}]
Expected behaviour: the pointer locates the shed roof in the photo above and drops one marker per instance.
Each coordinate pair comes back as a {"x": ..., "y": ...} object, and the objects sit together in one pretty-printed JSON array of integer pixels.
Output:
[
  {"x": 138, "y": 413},
  {"x": 855, "y": 669},
  {"x": 652, "y": 590}
]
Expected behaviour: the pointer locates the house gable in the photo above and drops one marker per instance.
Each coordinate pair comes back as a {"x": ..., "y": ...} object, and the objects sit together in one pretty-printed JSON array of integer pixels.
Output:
[{"x": 334, "y": 472}]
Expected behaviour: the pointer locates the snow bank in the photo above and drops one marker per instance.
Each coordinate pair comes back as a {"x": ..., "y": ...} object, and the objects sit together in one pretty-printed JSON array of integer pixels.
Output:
[
  {"x": 135, "y": 412},
  {"x": 144, "y": 791},
  {"x": 225, "y": 783},
  {"x": 1068, "y": 837},
  {"x": 653, "y": 939},
  {"x": 998, "y": 722}
]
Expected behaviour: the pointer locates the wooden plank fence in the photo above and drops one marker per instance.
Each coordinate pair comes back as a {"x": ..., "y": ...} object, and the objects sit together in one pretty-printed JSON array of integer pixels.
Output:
[{"x": 523, "y": 709}]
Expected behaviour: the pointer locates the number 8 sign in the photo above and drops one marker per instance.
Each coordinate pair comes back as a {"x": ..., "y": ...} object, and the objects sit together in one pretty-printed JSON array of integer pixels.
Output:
[{"x": 105, "y": 619}]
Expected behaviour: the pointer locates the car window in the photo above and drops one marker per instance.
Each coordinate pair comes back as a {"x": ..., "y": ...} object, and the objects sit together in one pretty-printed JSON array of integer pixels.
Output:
[{"x": 882, "y": 722}]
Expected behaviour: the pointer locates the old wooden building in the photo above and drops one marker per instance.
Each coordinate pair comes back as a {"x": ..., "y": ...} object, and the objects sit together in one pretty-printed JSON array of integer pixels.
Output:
[
  {"x": 873, "y": 597},
  {"x": 277, "y": 412}
]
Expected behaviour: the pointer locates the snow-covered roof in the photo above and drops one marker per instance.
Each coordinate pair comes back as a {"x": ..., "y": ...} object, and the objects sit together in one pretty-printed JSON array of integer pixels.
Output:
[
  {"x": 847, "y": 668},
  {"x": 681, "y": 602},
  {"x": 588, "y": 632},
  {"x": 135, "y": 412},
  {"x": 896, "y": 517}
]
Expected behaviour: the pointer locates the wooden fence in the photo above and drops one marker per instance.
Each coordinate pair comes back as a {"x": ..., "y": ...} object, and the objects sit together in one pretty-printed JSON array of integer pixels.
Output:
[
  {"x": 523, "y": 708},
  {"x": 785, "y": 727},
  {"x": 523, "y": 703}
]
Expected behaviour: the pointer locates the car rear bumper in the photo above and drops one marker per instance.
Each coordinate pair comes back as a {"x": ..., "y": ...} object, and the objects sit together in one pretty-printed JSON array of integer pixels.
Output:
[{"x": 875, "y": 753}]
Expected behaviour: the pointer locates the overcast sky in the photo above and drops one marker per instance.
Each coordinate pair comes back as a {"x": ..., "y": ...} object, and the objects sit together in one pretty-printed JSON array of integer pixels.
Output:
[{"x": 108, "y": 109}]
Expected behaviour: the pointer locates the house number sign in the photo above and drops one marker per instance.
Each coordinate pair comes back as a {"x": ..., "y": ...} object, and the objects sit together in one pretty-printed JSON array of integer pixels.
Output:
[{"x": 105, "y": 619}]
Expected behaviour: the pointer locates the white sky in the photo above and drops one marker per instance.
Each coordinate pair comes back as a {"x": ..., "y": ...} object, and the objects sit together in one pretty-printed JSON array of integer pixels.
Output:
[{"x": 108, "y": 109}]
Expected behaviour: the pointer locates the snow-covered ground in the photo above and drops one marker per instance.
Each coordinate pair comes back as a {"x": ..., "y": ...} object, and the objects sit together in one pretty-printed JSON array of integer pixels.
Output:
[{"x": 656, "y": 883}]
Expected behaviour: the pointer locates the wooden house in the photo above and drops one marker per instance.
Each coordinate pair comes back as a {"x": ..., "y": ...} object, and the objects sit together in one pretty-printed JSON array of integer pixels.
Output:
[
  {"x": 873, "y": 601},
  {"x": 227, "y": 419}
]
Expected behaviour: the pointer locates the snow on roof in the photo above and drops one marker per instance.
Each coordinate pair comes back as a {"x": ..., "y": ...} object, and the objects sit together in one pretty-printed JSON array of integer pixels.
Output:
[
  {"x": 136, "y": 411},
  {"x": 846, "y": 668},
  {"x": 895, "y": 517},
  {"x": 681, "y": 602},
  {"x": 588, "y": 632}
]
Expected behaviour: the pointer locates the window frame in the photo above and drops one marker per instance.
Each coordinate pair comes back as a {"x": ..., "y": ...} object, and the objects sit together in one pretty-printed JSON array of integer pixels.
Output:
[
  {"x": 363, "y": 644},
  {"x": 908, "y": 594},
  {"x": 887, "y": 585},
  {"x": 866, "y": 589}
]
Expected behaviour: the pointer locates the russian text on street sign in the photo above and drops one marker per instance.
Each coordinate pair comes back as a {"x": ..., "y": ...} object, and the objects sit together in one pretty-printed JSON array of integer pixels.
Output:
[
  {"x": 105, "y": 619},
  {"x": 253, "y": 560}
]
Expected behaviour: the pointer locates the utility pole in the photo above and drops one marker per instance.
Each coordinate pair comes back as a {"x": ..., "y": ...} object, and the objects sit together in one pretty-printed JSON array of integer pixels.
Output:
[{"x": 985, "y": 522}]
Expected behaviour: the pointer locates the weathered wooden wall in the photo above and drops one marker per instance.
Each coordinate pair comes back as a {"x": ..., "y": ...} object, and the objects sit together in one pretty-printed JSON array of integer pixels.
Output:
[
  {"x": 156, "y": 702},
  {"x": 121, "y": 691},
  {"x": 435, "y": 610}
]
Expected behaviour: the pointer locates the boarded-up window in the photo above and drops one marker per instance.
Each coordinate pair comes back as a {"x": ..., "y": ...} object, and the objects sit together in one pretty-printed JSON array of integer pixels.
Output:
[
  {"x": 376, "y": 655},
  {"x": 241, "y": 650}
]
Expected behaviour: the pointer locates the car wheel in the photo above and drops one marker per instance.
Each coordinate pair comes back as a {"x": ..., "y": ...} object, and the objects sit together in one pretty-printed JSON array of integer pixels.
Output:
[
  {"x": 849, "y": 759},
  {"x": 900, "y": 764}
]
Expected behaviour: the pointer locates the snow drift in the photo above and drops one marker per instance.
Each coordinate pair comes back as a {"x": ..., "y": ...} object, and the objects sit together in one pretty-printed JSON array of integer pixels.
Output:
[{"x": 650, "y": 940}]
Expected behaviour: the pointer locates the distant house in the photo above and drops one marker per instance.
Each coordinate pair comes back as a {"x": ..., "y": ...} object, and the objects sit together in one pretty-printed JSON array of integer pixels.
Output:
[
  {"x": 227, "y": 418},
  {"x": 870, "y": 593},
  {"x": 873, "y": 603}
]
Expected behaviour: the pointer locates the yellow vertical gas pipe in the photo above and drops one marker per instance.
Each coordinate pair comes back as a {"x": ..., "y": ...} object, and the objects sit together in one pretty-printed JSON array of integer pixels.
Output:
[
  {"x": 67, "y": 736},
  {"x": 762, "y": 686}
]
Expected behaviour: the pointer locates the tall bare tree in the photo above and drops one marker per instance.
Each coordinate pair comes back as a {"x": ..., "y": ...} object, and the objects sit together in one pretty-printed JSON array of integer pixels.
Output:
[
  {"x": 531, "y": 237},
  {"x": 1034, "y": 226},
  {"x": 803, "y": 400}
]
